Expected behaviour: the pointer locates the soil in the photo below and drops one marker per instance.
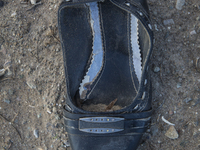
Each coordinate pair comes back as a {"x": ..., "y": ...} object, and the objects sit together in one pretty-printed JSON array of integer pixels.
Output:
[{"x": 32, "y": 91}]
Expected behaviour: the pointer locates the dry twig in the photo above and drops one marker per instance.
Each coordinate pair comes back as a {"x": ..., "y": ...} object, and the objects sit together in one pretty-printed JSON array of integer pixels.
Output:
[{"x": 109, "y": 107}]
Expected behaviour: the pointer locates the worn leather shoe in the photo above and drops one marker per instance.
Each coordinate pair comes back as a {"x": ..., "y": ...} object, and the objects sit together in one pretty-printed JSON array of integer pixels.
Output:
[{"x": 106, "y": 50}]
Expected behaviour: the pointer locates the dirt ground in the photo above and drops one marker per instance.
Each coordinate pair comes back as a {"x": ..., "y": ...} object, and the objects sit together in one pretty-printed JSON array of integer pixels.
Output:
[{"x": 32, "y": 91}]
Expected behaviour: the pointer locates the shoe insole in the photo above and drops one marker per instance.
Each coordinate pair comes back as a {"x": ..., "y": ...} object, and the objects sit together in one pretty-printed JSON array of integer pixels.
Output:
[{"x": 115, "y": 69}]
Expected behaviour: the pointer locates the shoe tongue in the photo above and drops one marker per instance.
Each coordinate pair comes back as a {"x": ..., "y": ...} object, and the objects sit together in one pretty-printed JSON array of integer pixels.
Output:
[{"x": 97, "y": 55}]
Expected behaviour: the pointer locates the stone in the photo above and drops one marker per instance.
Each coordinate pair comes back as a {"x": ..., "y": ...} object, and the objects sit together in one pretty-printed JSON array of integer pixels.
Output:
[
  {"x": 33, "y": 2},
  {"x": 13, "y": 14},
  {"x": 168, "y": 22},
  {"x": 7, "y": 101},
  {"x": 39, "y": 115},
  {"x": 172, "y": 133},
  {"x": 2, "y": 72},
  {"x": 31, "y": 83},
  {"x": 180, "y": 4},
  {"x": 154, "y": 130},
  {"x": 178, "y": 85},
  {"x": 36, "y": 133},
  {"x": 193, "y": 32},
  {"x": 156, "y": 69},
  {"x": 187, "y": 100}
]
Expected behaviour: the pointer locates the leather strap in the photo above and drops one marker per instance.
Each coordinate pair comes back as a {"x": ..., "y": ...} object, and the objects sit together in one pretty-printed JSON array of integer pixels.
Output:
[
  {"x": 109, "y": 124},
  {"x": 139, "y": 9}
]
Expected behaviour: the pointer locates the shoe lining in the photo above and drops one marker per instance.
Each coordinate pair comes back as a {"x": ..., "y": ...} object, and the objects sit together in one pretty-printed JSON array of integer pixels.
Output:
[{"x": 98, "y": 54}]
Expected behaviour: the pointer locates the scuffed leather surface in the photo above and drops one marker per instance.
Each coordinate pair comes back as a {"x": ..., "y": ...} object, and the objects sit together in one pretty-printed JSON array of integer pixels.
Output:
[{"x": 126, "y": 142}]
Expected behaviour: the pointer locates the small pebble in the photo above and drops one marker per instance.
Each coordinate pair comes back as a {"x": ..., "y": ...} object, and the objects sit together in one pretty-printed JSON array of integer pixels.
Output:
[
  {"x": 54, "y": 110},
  {"x": 178, "y": 85},
  {"x": 171, "y": 112},
  {"x": 13, "y": 14},
  {"x": 156, "y": 69},
  {"x": 187, "y": 100},
  {"x": 171, "y": 133},
  {"x": 57, "y": 117},
  {"x": 31, "y": 84},
  {"x": 67, "y": 144},
  {"x": 193, "y": 32},
  {"x": 33, "y": 2},
  {"x": 49, "y": 111},
  {"x": 2, "y": 72},
  {"x": 180, "y": 4},
  {"x": 168, "y": 22},
  {"x": 36, "y": 133},
  {"x": 39, "y": 115},
  {"x": 6, "y": 101},
  {"x": 10, "y": 92}
]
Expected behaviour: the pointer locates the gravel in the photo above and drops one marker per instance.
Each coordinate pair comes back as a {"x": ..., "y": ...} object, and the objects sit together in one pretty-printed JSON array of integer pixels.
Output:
[
  {"x": 7, "y": 101},
  {"x": 156, "y": 69},
  {"x": 168, "y": 22},
  {"x": 180, "y": 4}
]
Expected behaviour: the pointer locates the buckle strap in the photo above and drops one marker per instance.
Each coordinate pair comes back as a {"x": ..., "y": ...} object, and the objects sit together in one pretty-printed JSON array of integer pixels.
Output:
[{"x": 107, "y": 124}]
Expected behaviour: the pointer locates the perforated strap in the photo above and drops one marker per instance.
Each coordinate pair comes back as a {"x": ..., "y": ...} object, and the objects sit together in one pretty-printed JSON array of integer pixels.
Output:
[{"x": 139, "y": 9}]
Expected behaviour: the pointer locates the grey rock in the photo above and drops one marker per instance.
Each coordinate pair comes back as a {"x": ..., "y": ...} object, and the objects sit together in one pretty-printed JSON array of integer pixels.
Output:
[
  {"x": 168, "y": 22},
  {"x": 36, "y": 133},
  {"x": 31, "y": 83},
  {"x": 187, "y": 100},
  {"x": 193, "y": 32},
  {"x": 180, "y": 4},
  {"x": 57, "y": 117},
  {"x": 66, "y": 143},
  {"x": 7, "y": 101},
  {"x": 39, "y": 115},
  {"x": 178, "y": 85},
  {"x": 10, "y": 92},
  {"x": 2, "y": 72},
  {"x": 156, "y": 69},
  {"x": 154, "y": 130}
]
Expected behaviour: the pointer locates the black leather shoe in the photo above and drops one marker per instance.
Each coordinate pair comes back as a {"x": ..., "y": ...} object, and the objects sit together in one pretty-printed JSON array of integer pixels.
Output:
[{"x": 106, "y": 49}]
